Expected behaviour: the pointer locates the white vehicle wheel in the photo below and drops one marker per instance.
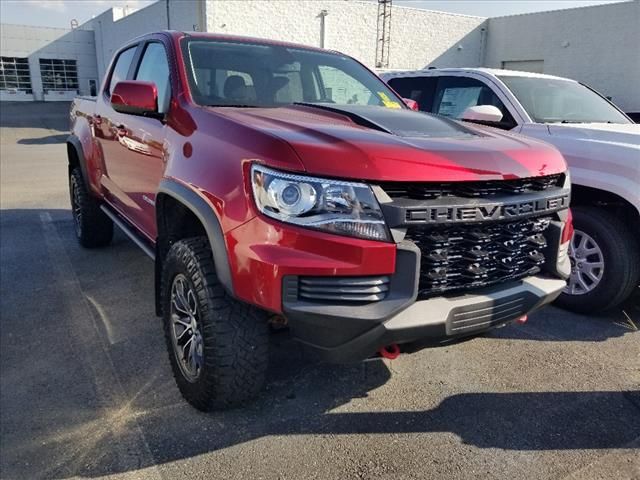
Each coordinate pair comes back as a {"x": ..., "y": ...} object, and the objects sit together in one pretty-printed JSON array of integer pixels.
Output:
[{"x": 605, "y": 261}]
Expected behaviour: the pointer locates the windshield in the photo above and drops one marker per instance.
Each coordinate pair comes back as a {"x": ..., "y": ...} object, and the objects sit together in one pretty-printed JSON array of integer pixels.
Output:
[
  {"x": 228, "y": 73},
  {"x": 549, "y": 100}
]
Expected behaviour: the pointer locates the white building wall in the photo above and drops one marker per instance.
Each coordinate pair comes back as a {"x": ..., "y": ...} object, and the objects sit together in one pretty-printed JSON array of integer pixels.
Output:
[
  {"x": 60, "y": 43},
  {"x": 599, "y": 46},
  {"x": 418, "y": 37},
  {"x": 421, "y": 38}
]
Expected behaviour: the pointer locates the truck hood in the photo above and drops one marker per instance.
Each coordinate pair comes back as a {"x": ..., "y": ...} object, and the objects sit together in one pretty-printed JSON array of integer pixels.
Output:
[
  {"x": 377, "y": 143},
  {"x": 612, "y": 133}
]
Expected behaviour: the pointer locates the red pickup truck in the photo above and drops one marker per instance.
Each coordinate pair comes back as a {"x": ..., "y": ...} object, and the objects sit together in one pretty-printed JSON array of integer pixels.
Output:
[{"x": 273, "y": 182}]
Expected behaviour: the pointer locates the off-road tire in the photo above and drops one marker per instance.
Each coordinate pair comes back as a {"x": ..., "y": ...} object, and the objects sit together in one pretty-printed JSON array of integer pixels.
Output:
[
  {"x": 235, "y": 335},
  {"x": 93, "y": 228},
  {"x": 621, "y": 253}
]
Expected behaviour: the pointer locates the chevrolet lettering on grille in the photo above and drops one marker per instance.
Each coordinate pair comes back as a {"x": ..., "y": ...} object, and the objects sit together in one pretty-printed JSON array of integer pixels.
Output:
[{"x": 486, "y": 211}]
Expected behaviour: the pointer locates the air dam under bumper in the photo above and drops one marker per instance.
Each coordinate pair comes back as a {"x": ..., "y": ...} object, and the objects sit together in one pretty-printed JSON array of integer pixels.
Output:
[{"x": 341, "y": 333}]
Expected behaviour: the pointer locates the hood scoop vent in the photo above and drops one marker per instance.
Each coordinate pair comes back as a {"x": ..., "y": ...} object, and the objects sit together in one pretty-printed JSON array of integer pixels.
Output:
[
  {"x": 358, "y": 119},
  {"x": 398, "y": 121}
]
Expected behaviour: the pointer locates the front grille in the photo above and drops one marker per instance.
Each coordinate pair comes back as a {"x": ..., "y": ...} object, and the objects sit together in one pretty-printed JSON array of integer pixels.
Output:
[
  {"x": 472, "y": 256},
  {"x": 343, "y": 289},
  {"x": 429, "y": 190}
]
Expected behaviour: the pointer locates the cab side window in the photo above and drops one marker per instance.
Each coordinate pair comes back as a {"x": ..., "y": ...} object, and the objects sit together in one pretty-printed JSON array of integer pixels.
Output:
[
  {"x": 420, "y": 89},
  {"x": 454, "y": 95},
  {"x": 121, "y": 68},
  {"x": 154, "y": 67}
]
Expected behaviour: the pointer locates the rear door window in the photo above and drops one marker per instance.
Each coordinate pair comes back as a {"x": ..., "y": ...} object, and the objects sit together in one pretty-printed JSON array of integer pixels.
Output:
[
  {"x": 121, "y": 68},
  {"x": 286, "y": 83},
  {"x": 235, "y": 86},
  {"x": 420, "y": 89}
]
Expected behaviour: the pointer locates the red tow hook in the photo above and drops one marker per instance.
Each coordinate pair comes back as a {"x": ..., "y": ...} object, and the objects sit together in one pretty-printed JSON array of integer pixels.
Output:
[
  {"x": 522, "y": 319},
  {"x": 390, "y": 352}
]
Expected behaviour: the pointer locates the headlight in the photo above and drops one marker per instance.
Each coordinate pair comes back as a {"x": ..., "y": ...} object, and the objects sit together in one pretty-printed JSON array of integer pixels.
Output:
[
  {"x": 567, "y": 179},
  {"x": 344, "y": 208}
]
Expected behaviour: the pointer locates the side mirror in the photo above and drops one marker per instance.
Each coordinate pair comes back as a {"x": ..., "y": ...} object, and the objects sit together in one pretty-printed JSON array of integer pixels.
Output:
[
  {"x": 482, "y": 113},
  {"x": 135, "y": 97},
  {"x": 412, "y": 104}
]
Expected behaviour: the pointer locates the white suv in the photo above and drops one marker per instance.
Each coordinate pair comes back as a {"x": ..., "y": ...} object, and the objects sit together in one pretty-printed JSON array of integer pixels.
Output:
[{"x": 600, "y": 143}]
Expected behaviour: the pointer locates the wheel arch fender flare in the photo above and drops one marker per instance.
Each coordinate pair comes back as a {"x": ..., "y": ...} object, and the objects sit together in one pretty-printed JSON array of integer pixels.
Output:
[
  {"x": 74, "y": 142},
  {"x": 209, "y": 220}
]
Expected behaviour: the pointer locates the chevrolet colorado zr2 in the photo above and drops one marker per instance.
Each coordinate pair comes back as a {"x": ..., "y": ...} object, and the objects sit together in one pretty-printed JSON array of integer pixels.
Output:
[{"x": 271, "y": 180}]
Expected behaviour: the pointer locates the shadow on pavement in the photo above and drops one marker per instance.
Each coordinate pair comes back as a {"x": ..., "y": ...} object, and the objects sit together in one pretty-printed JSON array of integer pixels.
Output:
[
  {"x": 511, "y": 421},
  {"x": 80, "y": 434},
  {"x": 25, "y": 115},
  {"x": 555, "y": 325},
  {"x": 50, "y": 139}
]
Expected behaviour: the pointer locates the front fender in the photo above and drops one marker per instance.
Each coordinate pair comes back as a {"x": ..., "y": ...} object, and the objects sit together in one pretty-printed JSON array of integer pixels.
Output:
[{"x": 209, "y": 220}]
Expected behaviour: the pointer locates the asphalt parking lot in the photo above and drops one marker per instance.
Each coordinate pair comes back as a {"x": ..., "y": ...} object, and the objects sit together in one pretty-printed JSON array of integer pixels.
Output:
[{"x": 86, "y": 388}]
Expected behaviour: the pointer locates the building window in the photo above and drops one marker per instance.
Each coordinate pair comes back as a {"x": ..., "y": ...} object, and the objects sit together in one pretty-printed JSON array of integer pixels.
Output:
[
  {"x": 14, "y": 74},
  {"x": 58, "y": 74}
]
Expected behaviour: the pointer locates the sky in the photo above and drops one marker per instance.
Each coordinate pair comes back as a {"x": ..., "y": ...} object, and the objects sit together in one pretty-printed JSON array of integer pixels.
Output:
[{"x": 59, "y": 13}]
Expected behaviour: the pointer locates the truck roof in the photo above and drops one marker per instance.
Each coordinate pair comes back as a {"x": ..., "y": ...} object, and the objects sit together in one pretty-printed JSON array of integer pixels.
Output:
[
  {"x": 235, "y": 38},
  {"x": 485, "y": 71}
]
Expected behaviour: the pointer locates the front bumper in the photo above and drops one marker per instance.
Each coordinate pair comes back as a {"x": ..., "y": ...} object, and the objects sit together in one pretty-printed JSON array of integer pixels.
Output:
[
  {"x": 345, "y": 333},
  {"x": 273, "y": 265}
]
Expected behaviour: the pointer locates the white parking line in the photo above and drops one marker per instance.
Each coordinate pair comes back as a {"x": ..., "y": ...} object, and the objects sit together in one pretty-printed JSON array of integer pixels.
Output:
[{"x": 104, "y": 318}]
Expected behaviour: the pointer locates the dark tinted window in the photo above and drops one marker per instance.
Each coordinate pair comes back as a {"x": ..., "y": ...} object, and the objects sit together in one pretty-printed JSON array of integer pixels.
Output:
[
  {"x": 420, "y": 89},
  {"x": 121, "y": 68},
  {"x": 454, "y": 95},
  {"x": 154, "y": 67}
]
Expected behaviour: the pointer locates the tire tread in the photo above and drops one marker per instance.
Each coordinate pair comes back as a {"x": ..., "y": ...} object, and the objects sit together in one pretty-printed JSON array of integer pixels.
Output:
[
  {"x": 236, "y": 334},
  {"x": 96, "y": 228}
]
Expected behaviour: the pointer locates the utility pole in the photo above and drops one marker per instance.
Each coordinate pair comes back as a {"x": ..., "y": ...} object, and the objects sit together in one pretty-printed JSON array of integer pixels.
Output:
[
  {"x": 384, "y": 33},
  {"x": 323, "y": 26},
  {"x": 168, "y": 22}
]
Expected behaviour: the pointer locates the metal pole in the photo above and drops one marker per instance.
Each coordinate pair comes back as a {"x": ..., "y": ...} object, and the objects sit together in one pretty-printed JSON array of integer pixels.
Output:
[{"x": 322, "y": 15}]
